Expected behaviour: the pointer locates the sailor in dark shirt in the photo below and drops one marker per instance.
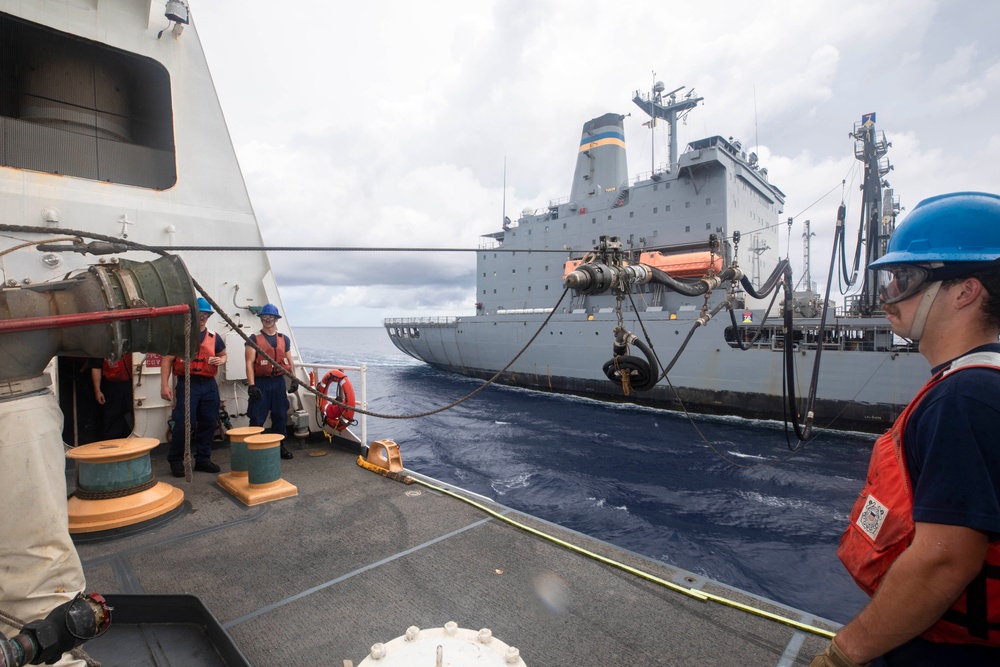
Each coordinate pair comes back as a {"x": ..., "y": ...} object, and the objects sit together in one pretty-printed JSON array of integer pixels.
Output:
[
  {"x": 924, "y": 537},
  {"x": 205, "y": 401}
]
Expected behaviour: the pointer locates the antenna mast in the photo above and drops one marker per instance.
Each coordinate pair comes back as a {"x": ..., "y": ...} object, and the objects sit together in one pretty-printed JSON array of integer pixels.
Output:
[
  {"x": 666, "y": 106},
  {"x": 757, "y": 247},
  {"x": 877, "y": 223},
  {"x": 805, "y": 266},
  {"x": 504, "y": 210}
]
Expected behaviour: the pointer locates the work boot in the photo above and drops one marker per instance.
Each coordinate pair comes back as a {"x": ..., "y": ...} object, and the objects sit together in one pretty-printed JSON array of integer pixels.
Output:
[
  {"x": 285, "y": 454},
  {"x": 206, "y": 466},
  {"x": 177, "y": 468}
]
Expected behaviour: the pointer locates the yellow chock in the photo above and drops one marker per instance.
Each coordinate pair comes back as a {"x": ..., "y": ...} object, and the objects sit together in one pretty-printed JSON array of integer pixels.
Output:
[{"x": 384, "y": 459}]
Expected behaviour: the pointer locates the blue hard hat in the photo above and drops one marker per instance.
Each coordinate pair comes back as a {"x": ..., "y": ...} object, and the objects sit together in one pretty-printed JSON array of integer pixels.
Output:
[
  {"x": 203, "y": 305},
  {"x": 270, "y": 309},
  {"x": 959, "y": 227}
]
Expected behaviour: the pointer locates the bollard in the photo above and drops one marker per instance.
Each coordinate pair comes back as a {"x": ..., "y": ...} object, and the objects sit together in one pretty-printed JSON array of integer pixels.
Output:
[
  {"x": 115, "y": 486},
  {"x": 264, "y": 471},
  {"x": 236, "y": 480}
]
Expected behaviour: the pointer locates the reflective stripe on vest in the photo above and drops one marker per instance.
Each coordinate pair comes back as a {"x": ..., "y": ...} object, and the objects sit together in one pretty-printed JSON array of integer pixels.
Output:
[
  {"x": 261, "y": 366},
  {"x": 881, "y": 528},
  {"x": 200, "y": 365}
]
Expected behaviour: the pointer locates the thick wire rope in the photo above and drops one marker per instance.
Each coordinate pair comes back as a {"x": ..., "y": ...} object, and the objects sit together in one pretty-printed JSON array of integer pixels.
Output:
[
  {"x": 379, "y": 415},
  {"x": 226, "y": 248},
  {"x": 235, "y": 327}
]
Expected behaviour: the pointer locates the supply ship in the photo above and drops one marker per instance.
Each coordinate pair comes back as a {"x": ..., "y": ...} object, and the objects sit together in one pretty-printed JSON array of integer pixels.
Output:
[
  {"x": 706, "y": 209},
  {"x": 117, "y": 176}
]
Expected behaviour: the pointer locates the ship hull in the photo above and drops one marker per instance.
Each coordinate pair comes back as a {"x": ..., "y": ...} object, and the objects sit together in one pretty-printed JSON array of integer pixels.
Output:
[{"x": 858, "y": 390}]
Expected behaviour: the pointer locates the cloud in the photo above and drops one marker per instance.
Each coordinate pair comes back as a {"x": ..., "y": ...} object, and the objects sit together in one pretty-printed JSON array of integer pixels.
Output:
[{"x": 389, "y": 124}]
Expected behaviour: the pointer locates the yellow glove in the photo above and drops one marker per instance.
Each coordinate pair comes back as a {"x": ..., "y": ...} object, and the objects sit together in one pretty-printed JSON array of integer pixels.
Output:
[{"x": 833, "y": 657}]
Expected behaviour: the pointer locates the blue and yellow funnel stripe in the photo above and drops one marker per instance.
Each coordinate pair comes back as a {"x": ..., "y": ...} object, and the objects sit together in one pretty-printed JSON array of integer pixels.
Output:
[{"x": 611, "y": 138}]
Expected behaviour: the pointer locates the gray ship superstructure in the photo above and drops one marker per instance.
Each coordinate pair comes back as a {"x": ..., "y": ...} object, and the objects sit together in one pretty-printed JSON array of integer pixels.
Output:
[{"x": 709, "y": 207}]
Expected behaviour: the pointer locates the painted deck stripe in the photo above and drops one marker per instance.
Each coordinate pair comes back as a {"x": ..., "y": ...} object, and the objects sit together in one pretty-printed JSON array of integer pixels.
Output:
[{"x": 309, "y": 591}]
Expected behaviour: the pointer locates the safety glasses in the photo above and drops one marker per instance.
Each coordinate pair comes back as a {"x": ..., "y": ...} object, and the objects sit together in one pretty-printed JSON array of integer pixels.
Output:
[
  {"x": 902, "y": 281},
  {"x": 897, "y": 283}
]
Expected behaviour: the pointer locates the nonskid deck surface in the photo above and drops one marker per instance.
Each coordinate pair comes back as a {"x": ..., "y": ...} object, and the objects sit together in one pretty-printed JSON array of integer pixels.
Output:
[{"x": 357, "y": 558}]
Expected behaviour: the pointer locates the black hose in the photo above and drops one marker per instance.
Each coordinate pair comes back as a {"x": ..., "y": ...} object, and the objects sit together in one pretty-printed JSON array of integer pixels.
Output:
[
  {"x": 686, "y": 287},
  {"x": 801, "y": 431},
  {"x": 643, "y": 374},
  {"x": 768, "y": 285}
]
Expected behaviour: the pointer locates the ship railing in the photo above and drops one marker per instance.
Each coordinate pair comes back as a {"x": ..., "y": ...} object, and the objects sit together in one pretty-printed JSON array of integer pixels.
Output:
[
  {"x": 361, "y": 397},
  {"x": 663, "y": 168},
  {"x": 420, "y": 321}
]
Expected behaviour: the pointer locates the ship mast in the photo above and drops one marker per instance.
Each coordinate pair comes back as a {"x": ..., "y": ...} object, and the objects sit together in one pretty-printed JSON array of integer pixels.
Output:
[
  {"x": 805, "y": 255},
  {"x": 757, "y": 246},
  {"x": 878, "y": 207},
  {"x": 665, "y": 106}
]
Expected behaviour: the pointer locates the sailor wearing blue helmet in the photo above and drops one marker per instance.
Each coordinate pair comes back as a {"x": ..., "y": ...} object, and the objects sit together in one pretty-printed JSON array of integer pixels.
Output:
[
  {"x": 924, "y": 534},
  {"x": 205, "y": 399},
  {"x": 267, "y": 388}
]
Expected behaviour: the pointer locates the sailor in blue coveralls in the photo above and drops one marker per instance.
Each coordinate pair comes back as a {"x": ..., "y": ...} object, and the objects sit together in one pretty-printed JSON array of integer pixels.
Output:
[
  {"x": 267, "y": 390},
  {"x": 204, "y": 396}
]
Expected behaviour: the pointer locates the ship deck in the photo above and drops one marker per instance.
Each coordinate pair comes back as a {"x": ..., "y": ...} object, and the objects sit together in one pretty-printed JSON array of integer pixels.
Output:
[{"x": 357, "y": 558}]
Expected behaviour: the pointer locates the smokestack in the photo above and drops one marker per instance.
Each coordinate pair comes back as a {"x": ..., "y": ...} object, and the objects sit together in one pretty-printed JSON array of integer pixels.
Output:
[{"x": 600, "y": 163}]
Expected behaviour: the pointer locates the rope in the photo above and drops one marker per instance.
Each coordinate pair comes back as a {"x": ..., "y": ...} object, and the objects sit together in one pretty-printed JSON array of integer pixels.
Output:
[
  {"x": 11, "y": 620},
  {"x": 83, "y": 494},
  {"x": 28, "y": 244},
  {"x": 187, "y": 397},
  {"x": 378, "y": 415}
]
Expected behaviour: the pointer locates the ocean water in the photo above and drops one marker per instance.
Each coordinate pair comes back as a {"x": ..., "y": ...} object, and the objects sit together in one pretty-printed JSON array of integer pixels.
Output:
[{"x": 721, "y": 497}]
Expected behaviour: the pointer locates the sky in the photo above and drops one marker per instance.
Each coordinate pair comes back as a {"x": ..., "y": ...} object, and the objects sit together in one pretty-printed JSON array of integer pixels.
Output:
[{"x": 401, "y": 124}]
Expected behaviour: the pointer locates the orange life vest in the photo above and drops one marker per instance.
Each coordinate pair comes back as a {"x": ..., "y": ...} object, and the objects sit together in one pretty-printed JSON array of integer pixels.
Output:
[
  {"x": 881, "y": 528},
  {"x": 118, "y": 371},
  {"x": 200, "y": 365},
  {"x": 264, "y": 368}
]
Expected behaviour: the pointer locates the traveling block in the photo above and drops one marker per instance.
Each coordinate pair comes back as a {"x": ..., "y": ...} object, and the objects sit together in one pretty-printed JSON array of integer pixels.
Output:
[
  {"x": 115, "y": 486},
  {"x": 238, "y": 477},
  {"x": 264, "y": 471}
]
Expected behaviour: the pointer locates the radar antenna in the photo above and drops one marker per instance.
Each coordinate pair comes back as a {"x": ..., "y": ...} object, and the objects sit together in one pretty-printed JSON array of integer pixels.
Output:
[{"x": 665, "y": 106}]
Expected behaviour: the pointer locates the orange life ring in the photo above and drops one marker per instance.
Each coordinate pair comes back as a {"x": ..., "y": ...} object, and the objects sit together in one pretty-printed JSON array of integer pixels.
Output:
[{"x": 338, "y": 415}]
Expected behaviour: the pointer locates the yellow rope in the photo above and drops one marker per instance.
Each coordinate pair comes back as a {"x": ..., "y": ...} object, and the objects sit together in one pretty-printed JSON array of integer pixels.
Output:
[{"x": 690, "y": 592}]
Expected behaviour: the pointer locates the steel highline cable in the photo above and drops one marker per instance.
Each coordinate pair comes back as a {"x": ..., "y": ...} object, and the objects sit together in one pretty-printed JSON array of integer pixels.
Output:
[{"x": 220, "y": 248}]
